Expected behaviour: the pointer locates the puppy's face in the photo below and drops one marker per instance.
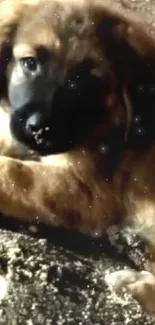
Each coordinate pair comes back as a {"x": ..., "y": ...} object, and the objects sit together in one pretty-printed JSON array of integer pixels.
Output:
[
  {"x": 55, "y": 99},
  {"x": 67, "y": 59},
  {"x": 52, "y": 109}
]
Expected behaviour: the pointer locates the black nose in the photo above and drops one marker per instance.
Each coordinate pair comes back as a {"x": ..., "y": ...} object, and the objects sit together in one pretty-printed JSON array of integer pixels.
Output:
[{"x": 34, "y": 123}]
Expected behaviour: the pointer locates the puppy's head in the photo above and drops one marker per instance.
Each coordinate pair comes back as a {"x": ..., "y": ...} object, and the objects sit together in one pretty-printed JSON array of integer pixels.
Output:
[
  {"x": 69, "y": 71},
  {"x": 52, "y": 102}
]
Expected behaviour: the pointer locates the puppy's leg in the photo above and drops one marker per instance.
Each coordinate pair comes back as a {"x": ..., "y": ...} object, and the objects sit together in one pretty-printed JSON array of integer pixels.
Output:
[
  {"x": 140, "y": 284},
  {"x": 58, "y": 192}
]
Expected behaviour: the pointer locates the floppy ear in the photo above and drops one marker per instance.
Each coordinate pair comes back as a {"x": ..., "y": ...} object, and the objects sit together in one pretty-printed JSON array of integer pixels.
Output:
[
  {"x": 123, "y": 24},
  {"x": 127, "y": 42}
]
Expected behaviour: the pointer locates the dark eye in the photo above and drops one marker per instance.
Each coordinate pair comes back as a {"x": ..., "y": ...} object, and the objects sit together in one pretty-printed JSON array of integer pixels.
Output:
[{"x": 30, "y": 63}]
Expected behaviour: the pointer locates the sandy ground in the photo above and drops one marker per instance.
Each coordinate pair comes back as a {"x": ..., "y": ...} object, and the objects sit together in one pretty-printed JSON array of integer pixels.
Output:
[{"x": 56, "y": 277}]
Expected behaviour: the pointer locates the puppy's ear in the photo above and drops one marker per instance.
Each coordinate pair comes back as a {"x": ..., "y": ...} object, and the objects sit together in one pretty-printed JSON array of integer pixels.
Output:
[
  {"x": 127, "y": 43},
  {"x": 124, "y": 28}
]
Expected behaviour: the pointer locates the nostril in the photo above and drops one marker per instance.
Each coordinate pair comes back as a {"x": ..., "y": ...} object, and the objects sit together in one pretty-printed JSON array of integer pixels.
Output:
[{"x": 34, "y": 122}]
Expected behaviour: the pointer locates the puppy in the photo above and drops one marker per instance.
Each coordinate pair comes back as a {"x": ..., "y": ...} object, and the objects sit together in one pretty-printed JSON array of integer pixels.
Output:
[{"x": 77, "y": 80}]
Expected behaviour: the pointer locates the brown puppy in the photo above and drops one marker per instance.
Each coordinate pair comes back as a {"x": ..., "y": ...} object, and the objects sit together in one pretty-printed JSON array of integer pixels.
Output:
[{"x": 77, "y": 80}]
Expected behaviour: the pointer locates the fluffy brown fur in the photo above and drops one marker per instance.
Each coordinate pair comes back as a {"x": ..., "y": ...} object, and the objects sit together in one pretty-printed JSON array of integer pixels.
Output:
[{"x": 72, "y": 189}]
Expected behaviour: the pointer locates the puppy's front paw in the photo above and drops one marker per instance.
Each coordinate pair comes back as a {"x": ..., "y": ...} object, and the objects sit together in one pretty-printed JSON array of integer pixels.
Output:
[{"x": 140, "y": 284}]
